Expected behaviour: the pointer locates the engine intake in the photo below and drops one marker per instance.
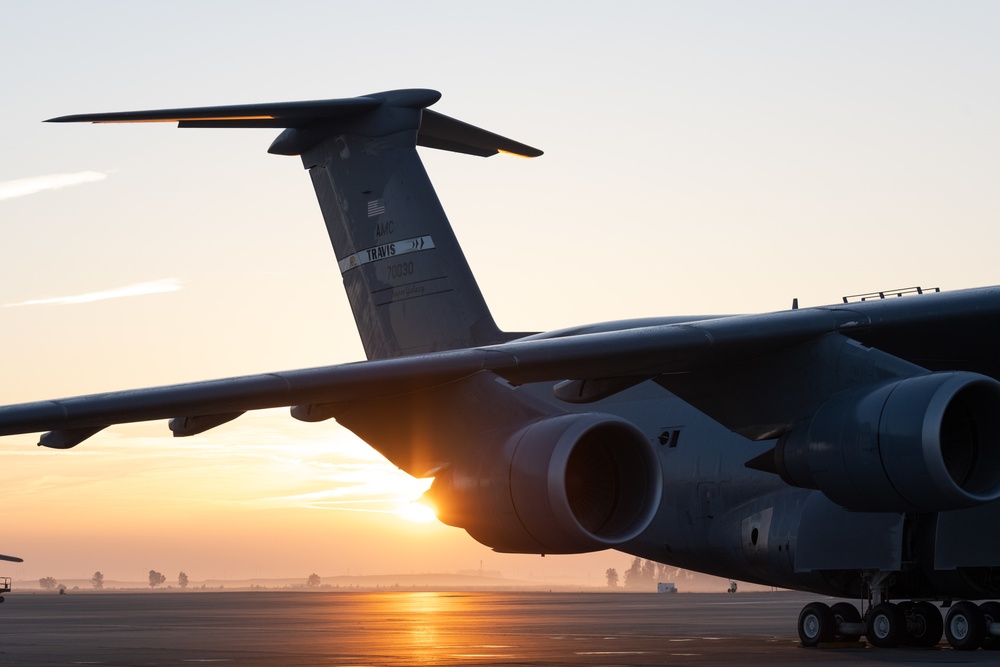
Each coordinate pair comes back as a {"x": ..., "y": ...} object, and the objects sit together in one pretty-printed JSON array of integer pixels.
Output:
[
  {"x": 566, "y": 484},
  {"x": 928, "y": 443}
]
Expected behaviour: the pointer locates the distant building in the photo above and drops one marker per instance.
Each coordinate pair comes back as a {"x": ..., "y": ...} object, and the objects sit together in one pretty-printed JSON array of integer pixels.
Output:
[{"x": 668, "y": 587}]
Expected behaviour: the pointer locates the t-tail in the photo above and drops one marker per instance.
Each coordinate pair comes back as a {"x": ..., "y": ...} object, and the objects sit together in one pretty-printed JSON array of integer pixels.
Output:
[{"x": 408, "y": 282}]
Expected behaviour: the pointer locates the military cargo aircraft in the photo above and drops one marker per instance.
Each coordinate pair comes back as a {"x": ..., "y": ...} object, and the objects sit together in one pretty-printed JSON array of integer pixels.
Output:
[{"x": 851, "y": 450}]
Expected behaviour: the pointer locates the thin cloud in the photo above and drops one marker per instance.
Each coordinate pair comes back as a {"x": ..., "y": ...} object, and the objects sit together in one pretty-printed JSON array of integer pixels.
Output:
[
  {"x": 138, "y": 289},
  {"x": 28, "y": 186}
]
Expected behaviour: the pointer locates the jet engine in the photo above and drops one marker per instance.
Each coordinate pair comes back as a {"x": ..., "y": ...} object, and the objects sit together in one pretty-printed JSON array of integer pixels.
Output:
[
  {"x": 564, "y": 484},
  {"x": 927, "y": 443}
]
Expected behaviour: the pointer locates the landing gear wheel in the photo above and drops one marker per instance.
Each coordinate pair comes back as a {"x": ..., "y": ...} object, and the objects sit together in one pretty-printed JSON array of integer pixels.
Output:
[
  {"x": 965, "y": 626},
  {"x": 816, "y": 624},
  {"x": 924, "y": 625},
  {"x": 991, "y": 614},
  {"x": 845, "y": 612},
  {"x": 886, "y": 626}
]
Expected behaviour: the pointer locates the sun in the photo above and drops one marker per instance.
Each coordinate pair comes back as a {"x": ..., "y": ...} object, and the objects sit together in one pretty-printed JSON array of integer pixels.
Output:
[{"x": 417, "y": 512}]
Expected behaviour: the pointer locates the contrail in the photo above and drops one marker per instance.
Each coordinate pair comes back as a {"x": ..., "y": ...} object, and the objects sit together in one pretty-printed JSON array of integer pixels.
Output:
[
  {"x": 138, "y": 289},
  {"x": 29, "y": 186}
]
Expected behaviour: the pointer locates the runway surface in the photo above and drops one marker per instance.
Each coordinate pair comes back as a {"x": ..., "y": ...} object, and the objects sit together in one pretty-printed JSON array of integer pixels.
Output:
[{"x": 417, "y": 628}]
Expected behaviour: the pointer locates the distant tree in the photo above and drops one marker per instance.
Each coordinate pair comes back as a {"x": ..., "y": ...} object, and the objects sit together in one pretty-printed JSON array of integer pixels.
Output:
[
  {"x": 155, "y": 578},
  {"x": 633, "y": 574},
  {"x": 97, "y": 580},
  {"x": 645, "y": 573},
  {"x": 313, "y": 580},
  {"x": 182, "y": 580},
  {"x": 48, "y": 583},
  {"x": 612, "y": 576}
]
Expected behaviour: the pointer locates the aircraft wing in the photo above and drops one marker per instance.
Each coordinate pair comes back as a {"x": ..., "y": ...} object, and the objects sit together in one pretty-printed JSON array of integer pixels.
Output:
[
  {"x": 11, "y": 559},
  {"x": 931, "y": 329}
]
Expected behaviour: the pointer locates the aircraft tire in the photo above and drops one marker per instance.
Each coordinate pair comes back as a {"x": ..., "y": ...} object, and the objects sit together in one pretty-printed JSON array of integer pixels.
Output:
[
  {"x": 817, "y": 624},
  {"x": 965, "y": 626},
  {"x": 991, "y": 614},
  {"x": 886, "y": 626},
  {"x": 924, "y": 625},
  {"x": 845, "y": 612}
]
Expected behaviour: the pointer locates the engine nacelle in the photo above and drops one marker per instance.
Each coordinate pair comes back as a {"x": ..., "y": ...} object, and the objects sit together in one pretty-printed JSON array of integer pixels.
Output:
[
  {"x": 927, "y": 443},
  {"x": 566, "y": 484}
]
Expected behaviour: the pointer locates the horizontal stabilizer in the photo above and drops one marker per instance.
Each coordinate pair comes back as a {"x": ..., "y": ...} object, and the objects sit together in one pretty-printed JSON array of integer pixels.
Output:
[
  {"x": 310, "y": 121},
  {"x": 447, "y": 134},
  {"x": 274, "y": 114}
]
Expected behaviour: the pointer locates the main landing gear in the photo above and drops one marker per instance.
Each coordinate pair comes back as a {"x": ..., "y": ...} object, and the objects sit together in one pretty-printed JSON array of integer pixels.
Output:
[{"x": 967, "y": 626}]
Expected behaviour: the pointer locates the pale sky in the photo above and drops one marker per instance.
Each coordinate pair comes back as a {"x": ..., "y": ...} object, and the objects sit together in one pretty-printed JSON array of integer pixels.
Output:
[{"x": 701, "y": 157}]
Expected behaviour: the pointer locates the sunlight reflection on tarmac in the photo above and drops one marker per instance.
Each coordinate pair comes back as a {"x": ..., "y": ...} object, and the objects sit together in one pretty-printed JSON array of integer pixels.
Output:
[{"x": 420, "y": 628}]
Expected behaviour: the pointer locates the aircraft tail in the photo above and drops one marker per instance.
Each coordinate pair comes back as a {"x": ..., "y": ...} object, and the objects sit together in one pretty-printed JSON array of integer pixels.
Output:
[{"x": 408, "y": 282}]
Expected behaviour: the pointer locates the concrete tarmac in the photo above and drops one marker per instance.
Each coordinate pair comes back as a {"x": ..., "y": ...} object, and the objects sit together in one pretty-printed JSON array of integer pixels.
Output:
[{"x": 418, "y": 628}]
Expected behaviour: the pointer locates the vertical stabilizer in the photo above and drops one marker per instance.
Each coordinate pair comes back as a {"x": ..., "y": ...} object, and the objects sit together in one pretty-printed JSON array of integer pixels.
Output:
[{"x": 406, "y": 277}]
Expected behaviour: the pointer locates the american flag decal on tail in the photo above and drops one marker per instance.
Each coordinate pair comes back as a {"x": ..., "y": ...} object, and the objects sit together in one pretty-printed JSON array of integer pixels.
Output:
[{"x": 376, "y": 207}]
